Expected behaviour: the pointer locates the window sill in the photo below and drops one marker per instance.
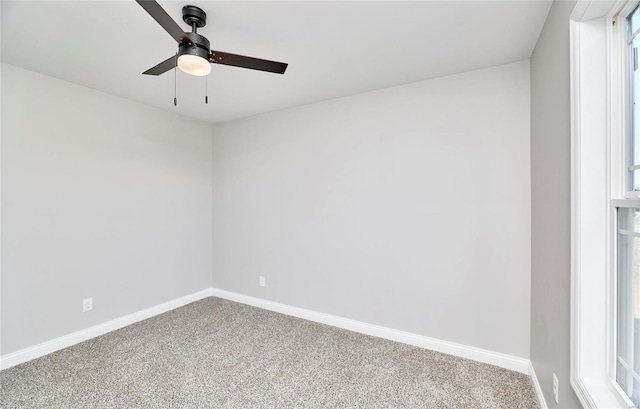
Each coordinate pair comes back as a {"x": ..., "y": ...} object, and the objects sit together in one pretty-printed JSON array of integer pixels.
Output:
[{"x": 594, "y": 393}]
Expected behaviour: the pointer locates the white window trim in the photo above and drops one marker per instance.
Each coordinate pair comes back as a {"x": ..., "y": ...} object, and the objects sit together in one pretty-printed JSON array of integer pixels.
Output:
[{"x": 597, "y": 157}]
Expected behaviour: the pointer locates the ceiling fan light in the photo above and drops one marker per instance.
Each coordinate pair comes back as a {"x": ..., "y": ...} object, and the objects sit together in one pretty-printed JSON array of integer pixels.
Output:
[{"x": 194, "y": 65}]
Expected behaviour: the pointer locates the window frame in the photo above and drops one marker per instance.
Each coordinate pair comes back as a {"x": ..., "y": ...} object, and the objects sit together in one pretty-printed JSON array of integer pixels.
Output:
[{"x": 593, "y": 278}]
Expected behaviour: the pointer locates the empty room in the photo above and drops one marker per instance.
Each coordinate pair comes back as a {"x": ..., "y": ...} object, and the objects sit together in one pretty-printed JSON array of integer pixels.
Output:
[{"x": 319, "y": 204}]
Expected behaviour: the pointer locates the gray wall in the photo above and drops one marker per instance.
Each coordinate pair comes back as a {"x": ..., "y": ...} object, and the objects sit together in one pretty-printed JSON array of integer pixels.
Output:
[
  {"x": 551, "y": 206},
  {"x": 407, "y": 207},
  {"x": 101, "y": 197}
]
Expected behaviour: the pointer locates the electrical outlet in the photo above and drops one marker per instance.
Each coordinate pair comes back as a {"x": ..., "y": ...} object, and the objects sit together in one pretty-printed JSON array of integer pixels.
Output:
[
  {"x": 262, "y": 283},
  {"x": 87, "y": 304},
  {"x": 555, "y": 387}
]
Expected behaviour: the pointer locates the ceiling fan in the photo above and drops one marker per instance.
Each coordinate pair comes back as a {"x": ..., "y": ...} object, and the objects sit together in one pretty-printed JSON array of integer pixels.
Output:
[{"x": 194, "y": 56}]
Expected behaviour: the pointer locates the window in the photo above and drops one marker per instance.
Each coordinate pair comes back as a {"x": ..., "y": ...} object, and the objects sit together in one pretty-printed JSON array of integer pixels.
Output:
[
  {"x": 627, "y": 237},
  {"x": 628, "y": 308},
  {"x": 605, "y": 312},
  {"x": 633, "y": 32}
]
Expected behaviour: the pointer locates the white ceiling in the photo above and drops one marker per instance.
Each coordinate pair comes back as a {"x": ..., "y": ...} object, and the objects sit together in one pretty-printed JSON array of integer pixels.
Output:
[{"x": 333, "y": 48}]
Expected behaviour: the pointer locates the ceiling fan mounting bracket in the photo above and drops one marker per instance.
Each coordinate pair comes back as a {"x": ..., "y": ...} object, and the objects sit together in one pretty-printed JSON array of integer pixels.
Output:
[{"x": 194, "y": 16}]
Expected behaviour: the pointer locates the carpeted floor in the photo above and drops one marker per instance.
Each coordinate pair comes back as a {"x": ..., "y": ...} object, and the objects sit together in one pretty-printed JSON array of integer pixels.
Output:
[{"x": 220, "y": 354}]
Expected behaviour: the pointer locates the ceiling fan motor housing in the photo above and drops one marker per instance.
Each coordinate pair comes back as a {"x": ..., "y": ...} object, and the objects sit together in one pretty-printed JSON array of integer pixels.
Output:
[{"x": 201, "y": 49}]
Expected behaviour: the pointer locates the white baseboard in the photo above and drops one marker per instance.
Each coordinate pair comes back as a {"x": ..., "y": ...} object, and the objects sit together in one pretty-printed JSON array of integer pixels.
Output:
[
  {"x": 481, "y": 355},
  {"x": 542, "y": 403},
  {"x": 27, "y": 354}
]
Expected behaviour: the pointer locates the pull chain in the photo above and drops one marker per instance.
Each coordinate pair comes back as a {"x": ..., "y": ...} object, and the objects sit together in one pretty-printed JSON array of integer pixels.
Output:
[
  {"x": 206, "y": 89},
  {"x": 175, "y": 81}
]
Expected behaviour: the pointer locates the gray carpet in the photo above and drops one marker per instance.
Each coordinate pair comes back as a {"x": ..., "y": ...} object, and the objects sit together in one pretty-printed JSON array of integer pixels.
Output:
[{"x": 220, "y": 354}]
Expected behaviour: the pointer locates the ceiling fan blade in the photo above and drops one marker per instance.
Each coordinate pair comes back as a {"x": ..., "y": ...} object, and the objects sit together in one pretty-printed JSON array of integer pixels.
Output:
[
  {"x": 157, "y": 12},
  {"x": 219, "y": 57},
  {"x": 163, "y": 67}
]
